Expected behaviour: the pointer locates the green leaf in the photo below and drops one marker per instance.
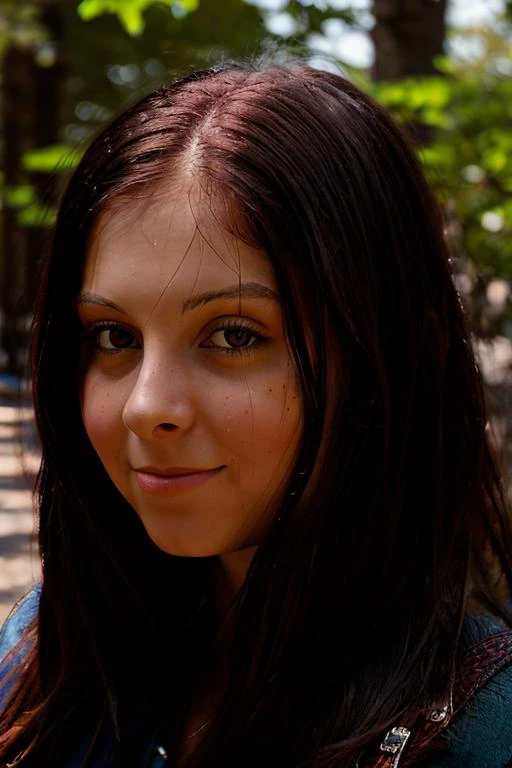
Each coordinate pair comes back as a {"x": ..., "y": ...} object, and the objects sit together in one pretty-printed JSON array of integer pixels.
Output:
[
  {"x": 132, "y": 20},
  {"x": 494, "y": 159},
  {"x": 391, "y": 94},
  {"x": 437, "y": 92},
  {"x": 20, "y": 196},
  {"x": 36, "y": 215},
  {"x": 89, "y": 9},
  {"x": 437, "y": 155},
  {"x": 435, "y": 118},
  {"x": 30, "y": 212},
  {"x": 130, "y": 12},
  {"x": 189, "y": 5},
  {"x": 507, "y": 211},
  {"x": 56, "y": 157},
  {"x": 444, "y": 64}
]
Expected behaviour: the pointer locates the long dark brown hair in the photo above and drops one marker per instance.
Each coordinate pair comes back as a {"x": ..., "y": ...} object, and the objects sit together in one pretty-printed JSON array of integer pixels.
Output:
[{"x": 350, "y": 617}]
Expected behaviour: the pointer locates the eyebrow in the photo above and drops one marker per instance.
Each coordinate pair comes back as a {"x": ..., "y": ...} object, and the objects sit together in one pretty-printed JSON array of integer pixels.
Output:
[
  {"x": 93, "y": 298},
  {"x": 237, "y": 291}
]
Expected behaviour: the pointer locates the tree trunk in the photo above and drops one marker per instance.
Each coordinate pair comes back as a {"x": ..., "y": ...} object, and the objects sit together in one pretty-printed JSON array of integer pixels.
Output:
[
  {"x": 17, "y": 111},
  {"x": 47, "y": 102},
  {"x": 30, "y": 99},
  {"x": 408, "y": 35}
]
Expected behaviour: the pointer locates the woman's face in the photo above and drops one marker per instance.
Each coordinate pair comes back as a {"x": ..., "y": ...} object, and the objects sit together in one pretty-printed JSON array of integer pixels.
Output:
[{"x": 189, "y": 392}]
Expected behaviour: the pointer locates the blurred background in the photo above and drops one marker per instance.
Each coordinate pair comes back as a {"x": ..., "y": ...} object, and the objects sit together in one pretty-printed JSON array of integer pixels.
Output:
[{"x": 443, "y": 67}]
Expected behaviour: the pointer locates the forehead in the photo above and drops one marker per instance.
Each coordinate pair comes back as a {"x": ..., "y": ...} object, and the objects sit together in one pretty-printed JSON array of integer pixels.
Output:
[{"x": 170, "y": 242}]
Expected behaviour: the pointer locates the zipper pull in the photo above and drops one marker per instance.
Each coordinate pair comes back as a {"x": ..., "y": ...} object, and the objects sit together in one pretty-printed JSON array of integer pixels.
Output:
[{"x": 394, "y": 744}]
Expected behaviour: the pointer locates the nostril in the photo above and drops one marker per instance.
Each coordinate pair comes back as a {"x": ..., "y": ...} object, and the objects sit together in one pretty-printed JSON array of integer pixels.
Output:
[{"x": 166, "y": 427}]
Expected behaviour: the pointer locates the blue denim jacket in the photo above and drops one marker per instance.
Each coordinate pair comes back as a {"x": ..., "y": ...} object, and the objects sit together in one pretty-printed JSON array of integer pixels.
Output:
[
  {"x": 479, "y": 738},
  {"x": 11, "y": 633}
]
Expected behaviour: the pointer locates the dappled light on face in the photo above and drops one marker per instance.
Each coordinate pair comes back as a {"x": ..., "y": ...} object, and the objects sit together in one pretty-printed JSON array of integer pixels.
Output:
[{"x": 189, "y": 397}]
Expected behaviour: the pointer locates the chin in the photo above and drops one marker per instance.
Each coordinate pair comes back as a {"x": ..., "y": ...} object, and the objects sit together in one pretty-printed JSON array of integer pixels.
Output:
[
  {"x": 184, "y": 546},
  {"x": 196, "y": 546}
]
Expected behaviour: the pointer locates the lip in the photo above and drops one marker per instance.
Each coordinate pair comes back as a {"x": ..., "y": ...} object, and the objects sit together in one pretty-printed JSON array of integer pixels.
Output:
[{"x": 161, "y": 481}]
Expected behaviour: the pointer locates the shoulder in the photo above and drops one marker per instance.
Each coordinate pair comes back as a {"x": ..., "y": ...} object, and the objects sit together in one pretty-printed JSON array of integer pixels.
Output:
[
  {"x": 481, "y": 735},
  {"x": 11, "y": 633},
  {"x": 18, "y": 620}
]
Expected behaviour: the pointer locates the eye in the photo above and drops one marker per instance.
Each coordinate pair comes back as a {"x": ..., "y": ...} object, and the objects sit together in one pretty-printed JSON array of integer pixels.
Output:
[
  {"x": 233, "y": 338},
  {"x": 112, "y": 338}
]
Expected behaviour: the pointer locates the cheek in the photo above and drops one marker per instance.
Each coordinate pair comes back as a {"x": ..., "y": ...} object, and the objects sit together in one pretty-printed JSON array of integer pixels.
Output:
[
  {"x": 101, "y": 412},
  {"x": 262, "y": 421}
]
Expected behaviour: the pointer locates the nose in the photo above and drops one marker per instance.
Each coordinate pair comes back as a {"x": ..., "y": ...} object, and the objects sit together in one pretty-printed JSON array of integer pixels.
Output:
[{"x": 159, "y": 400}]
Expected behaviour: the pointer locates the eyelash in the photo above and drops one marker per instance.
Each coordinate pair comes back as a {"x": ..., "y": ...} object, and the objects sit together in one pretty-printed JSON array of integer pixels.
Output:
[
  {"x": 91, "y": 336},
  {"x": 238, "y": 325}
]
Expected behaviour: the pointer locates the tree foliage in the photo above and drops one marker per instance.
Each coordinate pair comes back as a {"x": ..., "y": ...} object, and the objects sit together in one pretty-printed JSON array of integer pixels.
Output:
[
  {"x": 117, "y": 50},
  {"x": 131, "y": 12},
  {"x": 469, "y": 161}
]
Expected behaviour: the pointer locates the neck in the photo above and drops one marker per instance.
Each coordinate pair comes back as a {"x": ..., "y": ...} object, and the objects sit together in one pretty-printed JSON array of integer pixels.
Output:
[{"x": 230, "y": 574}]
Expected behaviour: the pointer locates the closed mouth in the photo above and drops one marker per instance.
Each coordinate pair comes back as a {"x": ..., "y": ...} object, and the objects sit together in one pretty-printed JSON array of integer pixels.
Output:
[
  {"x": 162, "y": 481},
  {"x": 176, "y": 471}
]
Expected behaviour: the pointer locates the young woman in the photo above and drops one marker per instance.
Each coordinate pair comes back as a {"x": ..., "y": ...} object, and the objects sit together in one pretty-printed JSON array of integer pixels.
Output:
[{"x": 272, "y": 531}]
